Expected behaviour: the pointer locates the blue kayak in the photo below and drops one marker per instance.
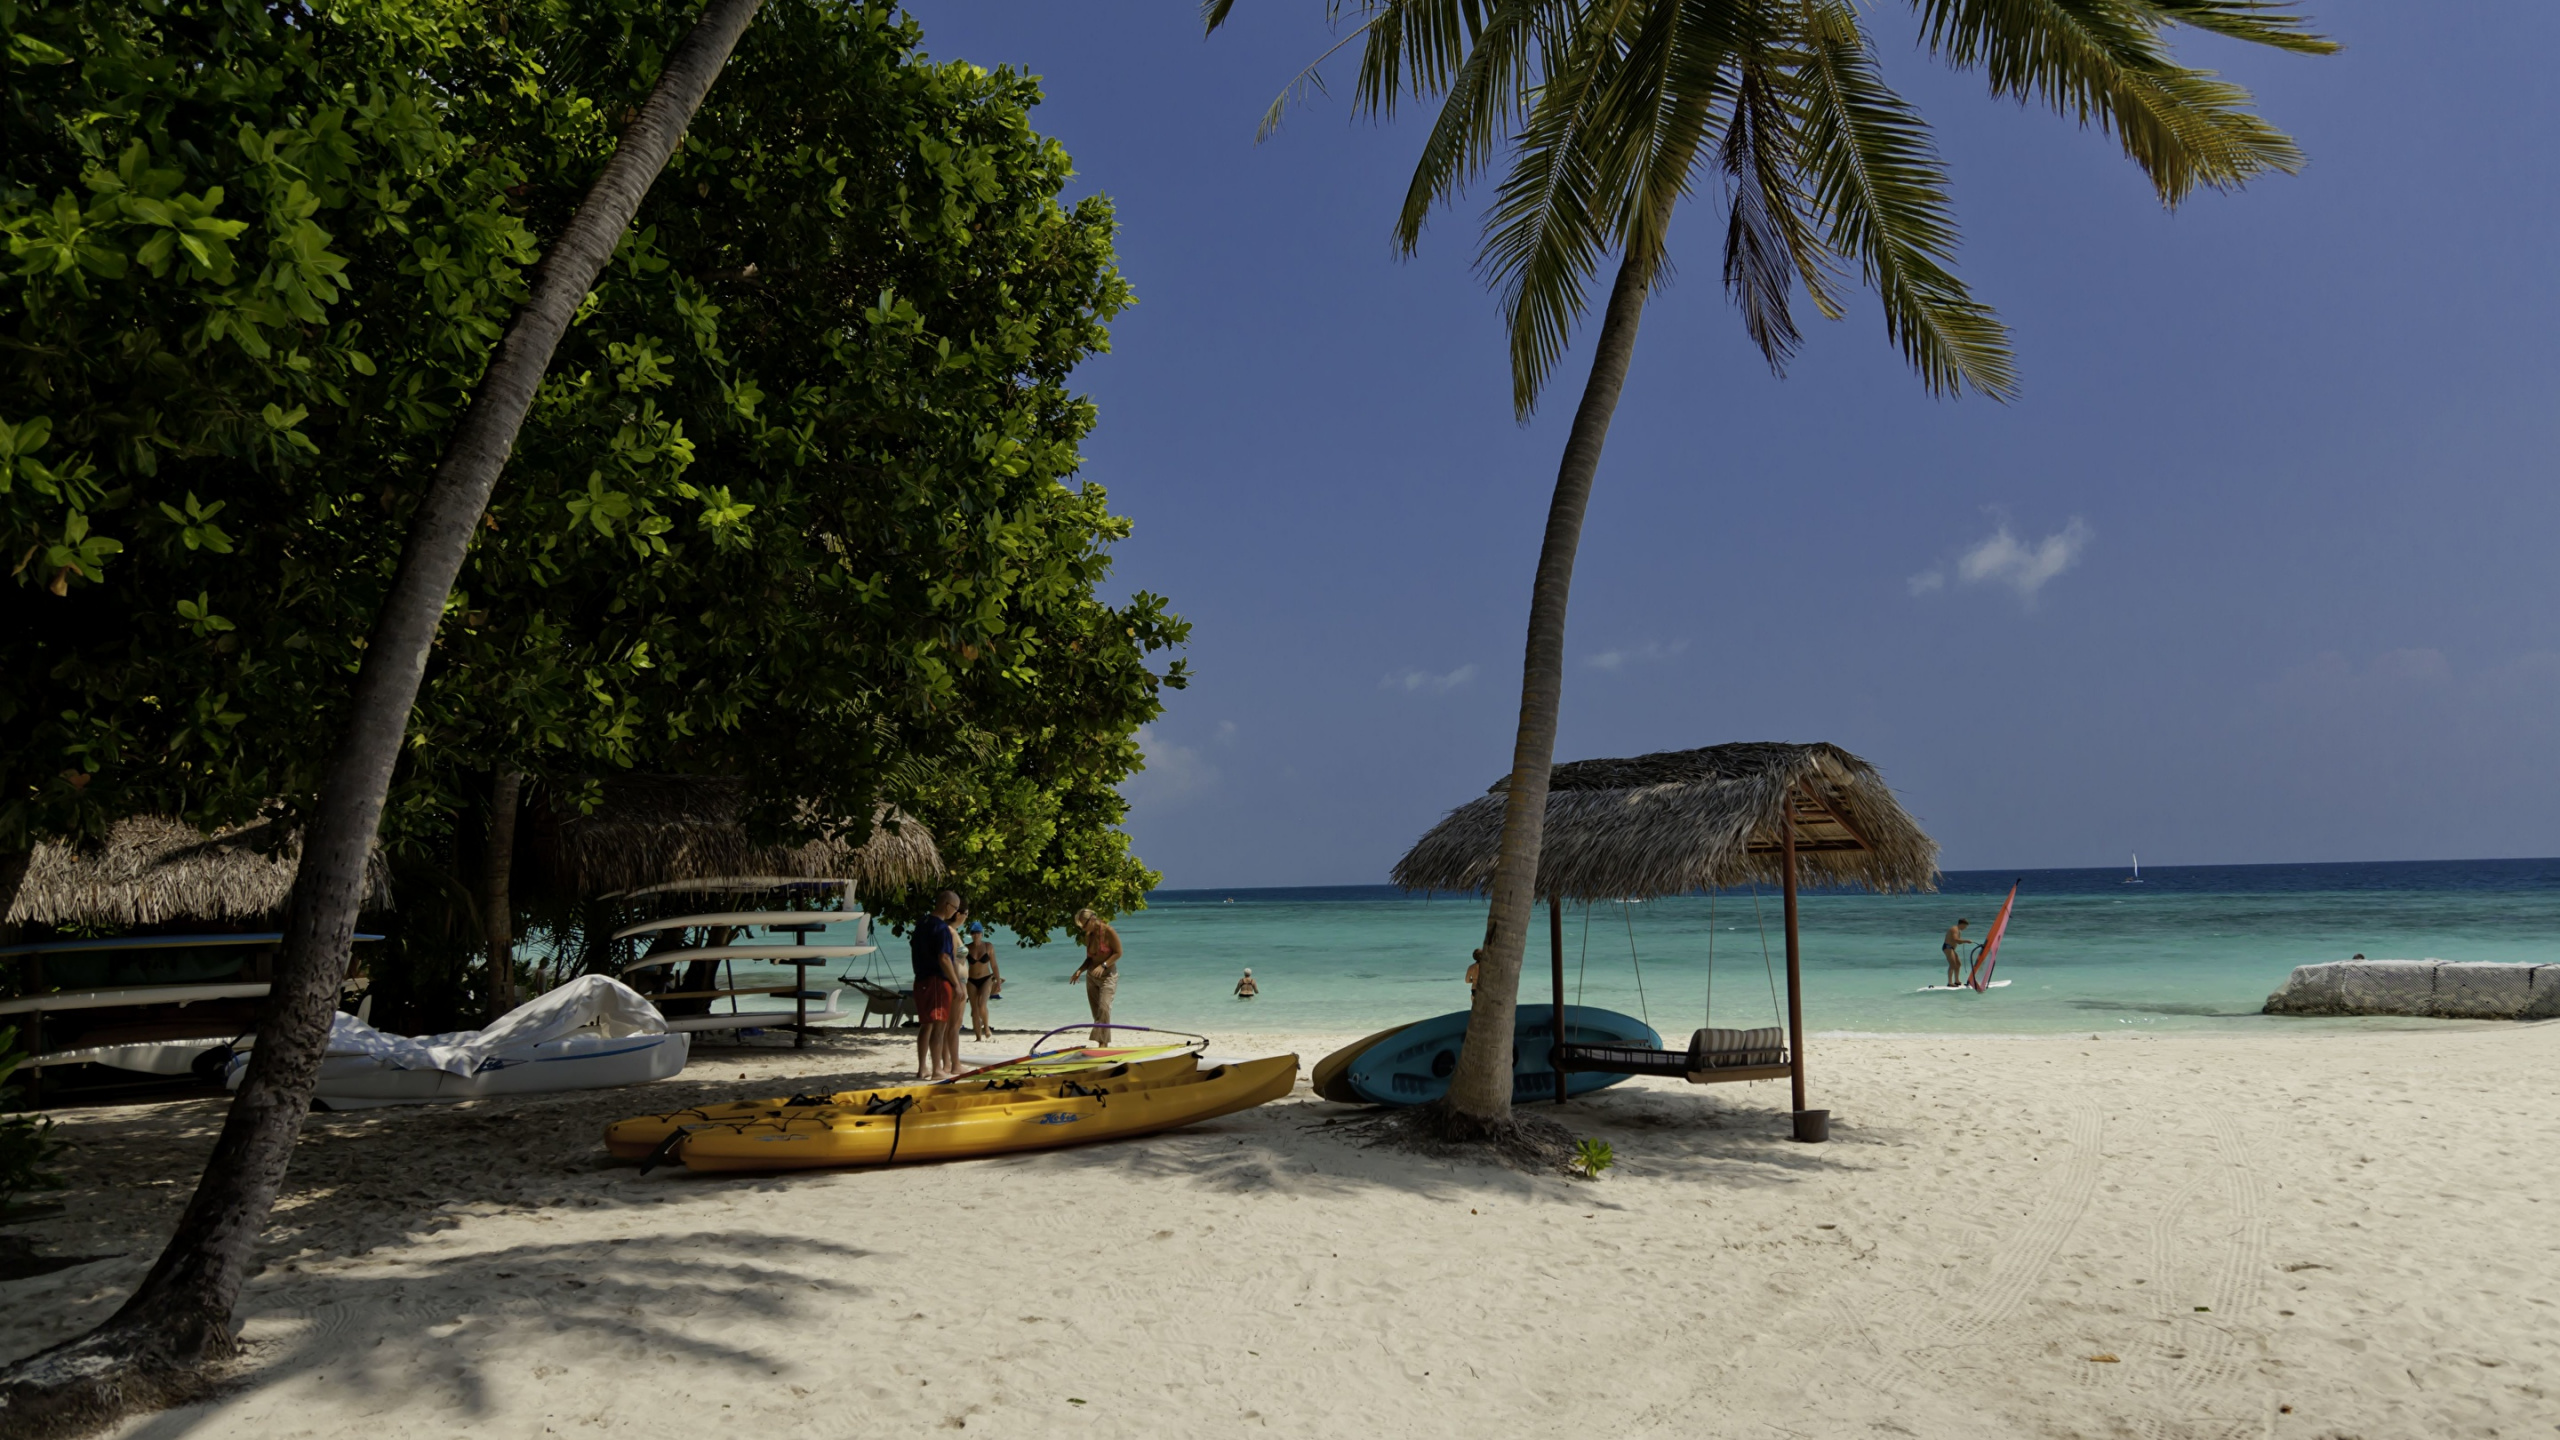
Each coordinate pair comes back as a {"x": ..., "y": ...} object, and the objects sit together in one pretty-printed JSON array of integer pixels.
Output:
[{"x": 1412, "y": 1066}]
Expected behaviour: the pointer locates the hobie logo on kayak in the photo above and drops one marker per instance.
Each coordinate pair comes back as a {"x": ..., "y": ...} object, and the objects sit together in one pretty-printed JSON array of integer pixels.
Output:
[{"x": 1057, "y": 1117}]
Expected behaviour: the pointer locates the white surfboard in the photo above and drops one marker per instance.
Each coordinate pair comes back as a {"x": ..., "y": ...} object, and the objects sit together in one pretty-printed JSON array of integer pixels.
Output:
[{"x": 1941, "y": 989}]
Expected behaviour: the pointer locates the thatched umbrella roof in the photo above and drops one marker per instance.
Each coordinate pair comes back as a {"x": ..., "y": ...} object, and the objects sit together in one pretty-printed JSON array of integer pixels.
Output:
[
  {"x": 1684, "y": 820},
  {"x": 152, "y": 870},
  {"x": 655, "y": 832}
]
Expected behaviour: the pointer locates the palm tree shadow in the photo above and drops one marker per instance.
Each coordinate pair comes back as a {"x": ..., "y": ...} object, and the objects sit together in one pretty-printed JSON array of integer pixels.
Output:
[{"x": 656, "y": 1299}]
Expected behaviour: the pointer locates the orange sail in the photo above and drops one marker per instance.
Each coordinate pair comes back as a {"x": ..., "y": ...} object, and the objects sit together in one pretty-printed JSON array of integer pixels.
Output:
[{"x": 1991, "y": 944}]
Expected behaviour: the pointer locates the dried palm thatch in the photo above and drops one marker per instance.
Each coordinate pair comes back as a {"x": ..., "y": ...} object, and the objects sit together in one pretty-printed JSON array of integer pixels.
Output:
[
  {"x": 1684, "y": 820},
  {"x": 656, "y": 832},
  {"x": 152, "y": 870}
]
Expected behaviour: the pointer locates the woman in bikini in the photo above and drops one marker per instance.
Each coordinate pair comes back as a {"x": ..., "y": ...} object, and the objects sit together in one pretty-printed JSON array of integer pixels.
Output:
[{"x": 983, "y": 975}]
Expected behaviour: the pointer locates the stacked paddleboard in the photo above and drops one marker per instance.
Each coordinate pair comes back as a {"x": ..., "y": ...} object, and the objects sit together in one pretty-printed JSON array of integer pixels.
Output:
[{"x": 1412, "y": 1064}]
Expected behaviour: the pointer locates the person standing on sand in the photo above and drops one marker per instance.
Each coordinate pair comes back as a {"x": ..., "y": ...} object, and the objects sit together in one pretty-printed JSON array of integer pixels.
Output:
[
  {"x": 1949, "y": 947},
  {"x": 1245, "y": 988},
  {"x": 929, "y": 950},
  {"x": 1475, "y": 967},
  {"x": 983, "y": 975},
  {"x": 1100, "y": 971}
]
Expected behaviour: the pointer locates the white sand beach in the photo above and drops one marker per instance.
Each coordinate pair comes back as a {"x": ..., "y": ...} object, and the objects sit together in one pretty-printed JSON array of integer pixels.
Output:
[{"x": 2323, "y": 1233}]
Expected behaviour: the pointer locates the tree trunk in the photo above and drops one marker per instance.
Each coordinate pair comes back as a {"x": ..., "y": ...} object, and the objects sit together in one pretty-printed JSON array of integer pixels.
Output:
[
  {"x": 497, "y": 907},
  {"x": 1480, "y": 1090},
  {"x": 148, "y": 1352}
]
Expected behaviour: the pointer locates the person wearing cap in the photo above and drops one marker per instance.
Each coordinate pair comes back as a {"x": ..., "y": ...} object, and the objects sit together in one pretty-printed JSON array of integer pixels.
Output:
[
  {"x": 984, "y": 977},
  {"x": 1245, "y": 988}
]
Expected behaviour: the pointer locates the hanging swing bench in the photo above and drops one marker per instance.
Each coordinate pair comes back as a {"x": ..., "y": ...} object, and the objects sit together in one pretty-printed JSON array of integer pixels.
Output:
[{"x": 1679, "y": 822}]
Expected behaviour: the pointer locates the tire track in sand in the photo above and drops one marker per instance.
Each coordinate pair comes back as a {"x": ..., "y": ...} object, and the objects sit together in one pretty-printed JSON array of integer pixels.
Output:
[
  {"x": 2205, "y": 1357},
  {"x": 2019, "y": 1265}
]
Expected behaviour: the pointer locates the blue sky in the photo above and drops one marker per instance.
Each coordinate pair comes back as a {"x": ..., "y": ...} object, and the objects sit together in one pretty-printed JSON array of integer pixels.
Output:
[{"x": 2258, "y": 568}]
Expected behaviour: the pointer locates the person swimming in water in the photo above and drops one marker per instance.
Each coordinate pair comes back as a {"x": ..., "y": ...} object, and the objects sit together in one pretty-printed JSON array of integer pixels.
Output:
[
  {"x": 1951, "y": 947},
  {"x": 1245, "y": 988}
]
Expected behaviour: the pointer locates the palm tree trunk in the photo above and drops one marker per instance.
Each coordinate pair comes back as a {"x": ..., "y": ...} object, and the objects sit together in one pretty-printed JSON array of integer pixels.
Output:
[
  {"x": 1480, "y": 1090},
  {"x": 148, "y": 1352},
  {"x": 497, "y": 907}
]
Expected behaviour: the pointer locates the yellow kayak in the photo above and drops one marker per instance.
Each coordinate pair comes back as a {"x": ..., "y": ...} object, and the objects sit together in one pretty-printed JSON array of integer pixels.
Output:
[
  {"x": 962, "y": 1126},
  {"x": 1331, "y": 1079},
  {"x": 640, "y": 1136}
]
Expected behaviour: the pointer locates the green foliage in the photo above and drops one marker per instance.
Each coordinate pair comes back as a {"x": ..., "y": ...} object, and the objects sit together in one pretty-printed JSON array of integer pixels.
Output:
[
  {"x": 1590, "y": 1157},
  {"x": 795, "y": 502},
  {"x": 26, "y": 1141}
]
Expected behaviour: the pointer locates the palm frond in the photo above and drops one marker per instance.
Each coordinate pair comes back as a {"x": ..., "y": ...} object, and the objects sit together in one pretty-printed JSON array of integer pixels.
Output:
[
  {"x": 1487, "y": 102},
  {"x": 1878, "y": 185},
  {"x": 2103, "y": 62},
  {"x": 1546, "y": 232},
  {"x": 1763, "y": 243},
  {"x": 2260, "y": 22},
  {"x": 1309, "y": 79}
]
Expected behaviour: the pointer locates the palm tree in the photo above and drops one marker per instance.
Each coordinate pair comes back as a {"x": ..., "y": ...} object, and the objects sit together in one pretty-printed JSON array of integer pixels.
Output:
[
  {"x": 1603, "y": 114},
  {"x": 147, "y": 1352}
]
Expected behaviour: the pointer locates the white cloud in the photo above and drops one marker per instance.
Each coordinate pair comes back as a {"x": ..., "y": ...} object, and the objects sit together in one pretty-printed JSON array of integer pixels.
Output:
[
  {"x": 1644, "y": 654},
  {"x": 1226, "y": 732},
  {"x": 1419, "y": 682},
  {"x": 1172, "y": 774},
  {"x": 2001, "y": 558}
]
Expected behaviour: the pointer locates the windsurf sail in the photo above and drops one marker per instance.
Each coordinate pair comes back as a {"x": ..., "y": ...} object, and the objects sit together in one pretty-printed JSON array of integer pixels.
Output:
[{"x": 1981, "y": 978}]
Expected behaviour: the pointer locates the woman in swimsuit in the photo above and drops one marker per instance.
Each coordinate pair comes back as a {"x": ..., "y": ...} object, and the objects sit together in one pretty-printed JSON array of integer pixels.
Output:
[{"x": 983, "y": 975}]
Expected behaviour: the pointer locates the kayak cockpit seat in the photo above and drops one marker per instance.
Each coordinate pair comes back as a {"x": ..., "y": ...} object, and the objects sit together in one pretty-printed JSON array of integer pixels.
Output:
[{"x": 1713, "y": 1056}]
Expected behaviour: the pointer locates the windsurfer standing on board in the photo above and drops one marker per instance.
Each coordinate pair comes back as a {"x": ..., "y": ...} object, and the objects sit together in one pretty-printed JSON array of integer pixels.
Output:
[{"x": 1950, "y": 947}]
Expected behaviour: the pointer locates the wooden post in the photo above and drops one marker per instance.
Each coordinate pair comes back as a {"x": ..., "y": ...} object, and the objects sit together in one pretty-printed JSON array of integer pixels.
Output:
[
  {"x": 1795, "y": 970},
  {"x": 1555, "y": 953},
  {"x": 800, "y": 996}
]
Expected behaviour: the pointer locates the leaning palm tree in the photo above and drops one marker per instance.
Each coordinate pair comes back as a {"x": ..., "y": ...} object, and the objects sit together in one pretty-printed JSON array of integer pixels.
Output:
[{"x": 1604, "y": 115}]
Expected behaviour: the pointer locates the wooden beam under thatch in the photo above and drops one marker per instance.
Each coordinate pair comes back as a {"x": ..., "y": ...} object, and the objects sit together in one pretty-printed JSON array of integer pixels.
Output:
[
  {"x": 1685, "y": 820},
  {"x": 152, "y": 870},
  {"x": 656, "y": 832}
]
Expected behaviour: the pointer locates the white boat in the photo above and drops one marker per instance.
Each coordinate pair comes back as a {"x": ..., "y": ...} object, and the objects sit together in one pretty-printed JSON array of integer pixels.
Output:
[
  {"x": 2136, "y": 877},
  {"x": 590, "y": 1034}
]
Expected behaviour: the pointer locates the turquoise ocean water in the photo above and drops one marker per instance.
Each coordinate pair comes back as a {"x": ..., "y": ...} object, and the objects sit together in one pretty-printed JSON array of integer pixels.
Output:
[{"x": 2192, "y": 948}]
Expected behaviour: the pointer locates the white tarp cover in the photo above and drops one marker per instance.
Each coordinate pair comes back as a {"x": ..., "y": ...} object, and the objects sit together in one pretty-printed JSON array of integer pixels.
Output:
[{"x": 590, "y": 1002}]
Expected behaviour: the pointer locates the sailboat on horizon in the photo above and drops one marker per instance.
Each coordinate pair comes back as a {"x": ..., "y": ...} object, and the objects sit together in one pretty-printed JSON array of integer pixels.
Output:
[{"x": 2136, "y": 877}]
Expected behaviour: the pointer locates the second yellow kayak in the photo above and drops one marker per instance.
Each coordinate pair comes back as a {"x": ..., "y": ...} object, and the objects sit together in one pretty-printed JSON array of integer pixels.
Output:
[
  {"x": 640, "y": 1136},
  {"x": 961, "y": 1126}
]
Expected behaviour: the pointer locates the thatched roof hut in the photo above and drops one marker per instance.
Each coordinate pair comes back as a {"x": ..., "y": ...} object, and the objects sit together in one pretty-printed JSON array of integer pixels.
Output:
[
  {"x": 657, "y": 832},
  {"x": 152, "y": 870},
  {"x": 1685, "y": 820}
]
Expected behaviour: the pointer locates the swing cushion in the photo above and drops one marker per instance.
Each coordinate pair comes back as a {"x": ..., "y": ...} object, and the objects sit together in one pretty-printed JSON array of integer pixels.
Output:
[{"x": 1722, "y": 1049}]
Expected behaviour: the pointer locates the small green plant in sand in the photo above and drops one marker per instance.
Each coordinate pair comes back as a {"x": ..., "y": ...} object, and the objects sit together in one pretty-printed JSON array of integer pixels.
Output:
[{"x": 1590, "y": 1157}]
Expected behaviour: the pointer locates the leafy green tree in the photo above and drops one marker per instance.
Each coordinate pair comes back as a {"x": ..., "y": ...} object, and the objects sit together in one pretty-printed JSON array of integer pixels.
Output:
[
  {"x": 793, "y": 502},
  {"x": 796, "y": 504},
  {"x": 179, "y": 1316},
  {"x": 1604, "y": 115}
]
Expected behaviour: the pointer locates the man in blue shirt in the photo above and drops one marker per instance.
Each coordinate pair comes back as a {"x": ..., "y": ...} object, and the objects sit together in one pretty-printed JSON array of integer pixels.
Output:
[{"x": 931, "y": 949}]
